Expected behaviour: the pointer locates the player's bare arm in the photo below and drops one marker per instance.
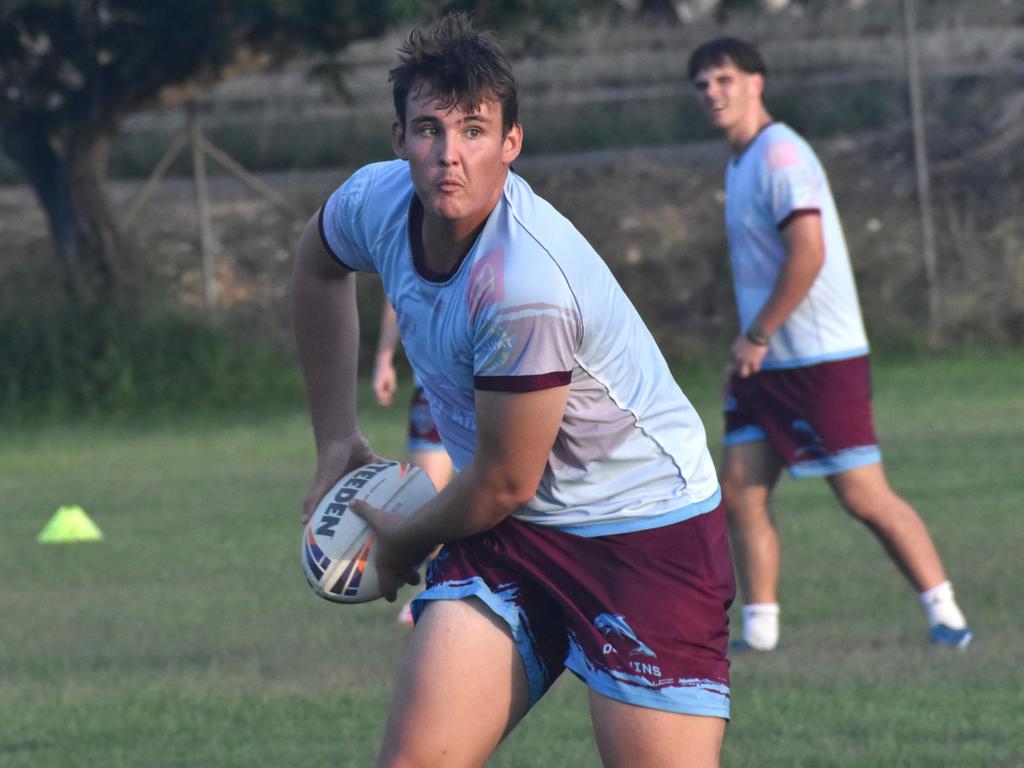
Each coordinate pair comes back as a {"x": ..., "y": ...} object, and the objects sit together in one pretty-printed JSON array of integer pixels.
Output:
[
  {"x": 805, "y": 255},
  {"x": 385, "y": 379},
  {"x": 326, "y": 333},
  {"x": 515, "y": 434}
]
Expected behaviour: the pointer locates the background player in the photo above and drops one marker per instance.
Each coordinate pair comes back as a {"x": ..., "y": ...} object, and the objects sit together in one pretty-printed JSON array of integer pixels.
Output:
[
  {"x": 423, "y": 444},
  {"x": 797, "y": 382},
  {"x": 583, "y": 528}
]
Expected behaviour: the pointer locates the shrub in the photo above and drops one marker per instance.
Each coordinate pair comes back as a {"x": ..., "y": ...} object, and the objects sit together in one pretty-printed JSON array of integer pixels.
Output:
[{"x": 103, "y": 362}]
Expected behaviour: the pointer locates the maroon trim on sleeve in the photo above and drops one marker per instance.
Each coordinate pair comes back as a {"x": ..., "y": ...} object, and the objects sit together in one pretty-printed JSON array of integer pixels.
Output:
[
  {"x": 533, "y": 383},
  {"x": 323, "y": 239},
  {"x": 798, "y": 212}
]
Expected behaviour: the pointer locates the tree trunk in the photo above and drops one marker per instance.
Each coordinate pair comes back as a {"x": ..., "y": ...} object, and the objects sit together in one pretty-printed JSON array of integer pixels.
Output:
[
  {"x": 68, "y": 179},
  {"x": 100, "y": 244}
]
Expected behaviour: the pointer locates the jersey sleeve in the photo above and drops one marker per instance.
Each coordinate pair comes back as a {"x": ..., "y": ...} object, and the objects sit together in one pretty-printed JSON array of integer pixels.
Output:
[
  {"x": 794, "y": 181},
  {"x": 526, "y": 326},
  {"x": 343, "y": 222}
]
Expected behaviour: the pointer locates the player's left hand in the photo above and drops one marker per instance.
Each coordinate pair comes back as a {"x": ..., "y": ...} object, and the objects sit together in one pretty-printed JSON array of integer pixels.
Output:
[{"x": 398, "y": 559}]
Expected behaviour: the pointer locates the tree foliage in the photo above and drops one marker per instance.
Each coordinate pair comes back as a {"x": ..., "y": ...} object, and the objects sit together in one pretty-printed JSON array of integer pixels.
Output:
[{"x": 72, "y": 70}]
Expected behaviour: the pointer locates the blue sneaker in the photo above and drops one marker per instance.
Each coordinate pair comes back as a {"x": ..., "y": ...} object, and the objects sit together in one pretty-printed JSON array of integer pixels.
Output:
[{"x": 953, "y": 638}]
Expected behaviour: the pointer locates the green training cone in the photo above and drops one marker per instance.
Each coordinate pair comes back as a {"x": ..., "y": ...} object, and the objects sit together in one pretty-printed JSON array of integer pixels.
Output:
[{"x": 69, "y": 524}]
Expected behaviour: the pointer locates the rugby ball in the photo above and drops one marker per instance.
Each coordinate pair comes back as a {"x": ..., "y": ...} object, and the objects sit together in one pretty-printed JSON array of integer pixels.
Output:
[{"x": 338, "y": 546}]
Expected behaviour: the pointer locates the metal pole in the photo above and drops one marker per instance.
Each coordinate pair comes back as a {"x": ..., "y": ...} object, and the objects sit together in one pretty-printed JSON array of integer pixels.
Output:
[
  {"x": 921, "y": 167},
  {"x": 202, "y": 208}
]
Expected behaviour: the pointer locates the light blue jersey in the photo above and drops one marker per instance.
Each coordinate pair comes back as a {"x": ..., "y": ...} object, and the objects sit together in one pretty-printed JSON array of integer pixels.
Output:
[
  {"x": 778, "y": 176},
  {"x": 533, "y": 306}
]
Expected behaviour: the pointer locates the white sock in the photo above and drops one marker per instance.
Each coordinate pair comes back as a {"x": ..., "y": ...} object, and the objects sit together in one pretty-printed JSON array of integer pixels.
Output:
[
  {"x": 761, "y": 625},
  {"x": 941, "y": 607}
]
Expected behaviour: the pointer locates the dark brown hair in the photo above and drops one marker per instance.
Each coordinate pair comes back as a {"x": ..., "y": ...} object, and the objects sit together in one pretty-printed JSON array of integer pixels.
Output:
[
  {"x": 716, "y": 52},
  {"x": 457, "y": 65}
]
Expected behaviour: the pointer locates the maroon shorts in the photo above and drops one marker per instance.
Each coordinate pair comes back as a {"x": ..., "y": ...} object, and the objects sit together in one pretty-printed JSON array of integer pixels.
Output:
[
  {"x": 640, "y": 617},
  {"x": 423, "y": 434},
  {"x": 818, "y": 417}
]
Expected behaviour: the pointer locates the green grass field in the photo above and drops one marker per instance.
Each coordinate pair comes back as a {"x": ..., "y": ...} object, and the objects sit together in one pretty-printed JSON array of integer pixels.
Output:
[{"x": 188, "y": 637}]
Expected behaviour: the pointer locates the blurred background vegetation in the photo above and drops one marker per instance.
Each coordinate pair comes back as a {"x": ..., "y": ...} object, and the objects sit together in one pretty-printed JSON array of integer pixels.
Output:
[{"x": 99, "y": 316}]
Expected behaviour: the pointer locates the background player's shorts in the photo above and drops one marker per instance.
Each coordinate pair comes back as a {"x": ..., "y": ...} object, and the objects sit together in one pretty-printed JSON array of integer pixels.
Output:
[
  {"x": 423, "y": 434},
  {"x": 640, "y": 617},
  {"x": 818, "y": 417}
]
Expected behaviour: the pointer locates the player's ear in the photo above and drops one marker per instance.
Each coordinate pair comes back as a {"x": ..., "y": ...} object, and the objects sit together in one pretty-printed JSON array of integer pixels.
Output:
[
  {"x": 757, "y": 84},
  {"x": 513, "y": 144},
  {"x": 398, "y": 140}
]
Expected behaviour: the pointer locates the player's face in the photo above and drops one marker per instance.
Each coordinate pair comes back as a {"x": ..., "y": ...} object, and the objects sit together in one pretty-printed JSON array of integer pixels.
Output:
[
  {"x": 458, "y": 159},
  {"x": 730, "y": 96}
]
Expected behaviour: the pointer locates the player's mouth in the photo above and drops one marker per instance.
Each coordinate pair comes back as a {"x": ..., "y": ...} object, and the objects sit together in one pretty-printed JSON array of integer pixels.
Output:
[
  {"x": 448, "y": 186},
  {"x": 716, "y": 110}
]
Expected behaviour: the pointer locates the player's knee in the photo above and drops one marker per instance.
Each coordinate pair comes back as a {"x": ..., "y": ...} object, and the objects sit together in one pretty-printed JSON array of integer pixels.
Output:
[
  {"x": 401, "y": 760},
  {"x": 866, "y": 495},
  {"x": 743, "y": 502},
  {"x": 884, "y": 511},
  {"x": 409, "y": 753},
  {"x": 735, "y": 487},
  {"x": 869, "y": 508}
]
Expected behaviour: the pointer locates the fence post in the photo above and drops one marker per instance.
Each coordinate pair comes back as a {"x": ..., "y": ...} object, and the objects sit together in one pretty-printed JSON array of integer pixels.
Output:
[
  {"x": 169, "y": 156},
  {"x": 202, "y": 207},
  {"x": 923, "y": 179}
]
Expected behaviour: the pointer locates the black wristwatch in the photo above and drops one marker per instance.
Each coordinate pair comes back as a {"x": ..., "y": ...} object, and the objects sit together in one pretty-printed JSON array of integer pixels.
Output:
[{"x": 756, "y": 336}]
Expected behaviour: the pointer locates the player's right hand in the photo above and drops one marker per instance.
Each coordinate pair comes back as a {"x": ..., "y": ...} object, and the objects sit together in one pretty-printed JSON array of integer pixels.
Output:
[
  {"x": 385, "y": 382},
  {"x": 333, "y": 460},
  {"x": 398, "y": 558},
  {"x": 747, "y": 357}
]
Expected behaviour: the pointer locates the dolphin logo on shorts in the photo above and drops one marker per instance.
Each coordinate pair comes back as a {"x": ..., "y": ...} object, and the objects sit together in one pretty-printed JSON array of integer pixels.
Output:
[
  {"x": 613, "y": 625},
  {"x": 813, "y": 445}
]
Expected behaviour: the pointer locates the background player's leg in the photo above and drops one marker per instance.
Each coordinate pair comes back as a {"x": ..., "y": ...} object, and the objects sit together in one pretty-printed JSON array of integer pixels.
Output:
[
  {"x": 867, "y": 496},
  {"x": 436, "y": 464},
  {"x": 638, "y": 737},
  {"x": 460, "y": 689},
  {"x": 865, "y": 493},
  {"x": 750, "y": 472}
]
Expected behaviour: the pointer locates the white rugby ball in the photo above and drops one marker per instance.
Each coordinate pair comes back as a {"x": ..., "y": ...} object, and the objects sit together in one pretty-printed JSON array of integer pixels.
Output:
[{"x": 337, "y": 545}]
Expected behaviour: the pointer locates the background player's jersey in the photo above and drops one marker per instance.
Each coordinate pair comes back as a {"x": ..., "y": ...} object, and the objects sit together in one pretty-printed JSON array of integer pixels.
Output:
[
  {"x": 532, "y": 306},
  {"x": 777, "y": 176}
]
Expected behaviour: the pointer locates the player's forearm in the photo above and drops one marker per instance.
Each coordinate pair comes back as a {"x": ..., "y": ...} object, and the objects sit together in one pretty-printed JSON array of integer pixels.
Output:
[
  {"x": 515, "y": 435},
  {"x": 804, "y": 259},
  {"x": 326, "y": 327},
  {"x": 476, "y": 500},
  {"x": 790, "y": 289},
  {"x": 389, "y": 337},
  {"x": 385, "y": 358}
]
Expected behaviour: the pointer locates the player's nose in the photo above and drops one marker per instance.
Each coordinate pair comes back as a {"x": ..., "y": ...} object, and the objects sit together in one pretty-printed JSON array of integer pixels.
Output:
[{"x": 446, "y": 151}]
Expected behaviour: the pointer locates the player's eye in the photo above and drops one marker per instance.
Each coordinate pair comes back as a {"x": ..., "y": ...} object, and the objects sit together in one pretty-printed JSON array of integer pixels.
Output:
[{"x": 474, "y": 133}]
